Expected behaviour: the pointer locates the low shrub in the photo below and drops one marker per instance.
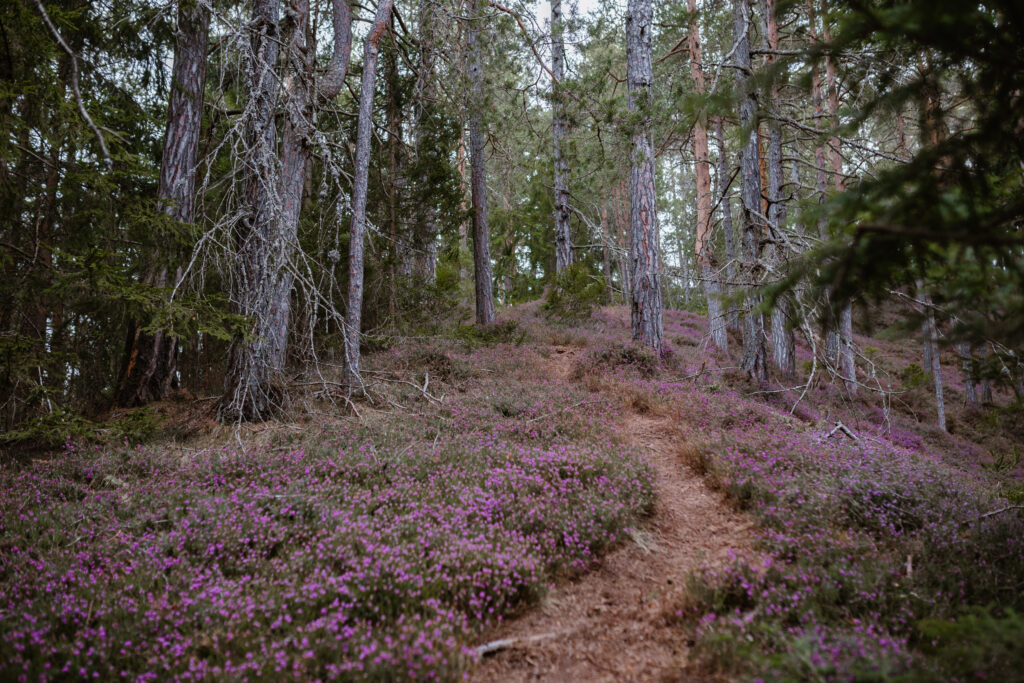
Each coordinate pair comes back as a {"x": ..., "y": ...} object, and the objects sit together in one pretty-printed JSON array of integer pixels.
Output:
[{"x": 574, "y": 294}]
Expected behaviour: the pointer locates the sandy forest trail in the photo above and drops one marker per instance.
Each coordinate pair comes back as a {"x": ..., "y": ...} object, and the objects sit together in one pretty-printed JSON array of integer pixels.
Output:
[{"x": 611, "y": 624}]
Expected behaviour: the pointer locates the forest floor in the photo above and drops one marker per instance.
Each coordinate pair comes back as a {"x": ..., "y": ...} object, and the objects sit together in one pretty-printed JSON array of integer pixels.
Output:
[
  {"x": 539, "y": 500},
  {"x": 611, "y": 623}
]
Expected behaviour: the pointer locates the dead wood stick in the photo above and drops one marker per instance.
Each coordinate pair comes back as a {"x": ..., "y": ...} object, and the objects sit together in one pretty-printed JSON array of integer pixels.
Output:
[
  {"x": 498, "y": 645},
  {"x": 840, "y": 427}
]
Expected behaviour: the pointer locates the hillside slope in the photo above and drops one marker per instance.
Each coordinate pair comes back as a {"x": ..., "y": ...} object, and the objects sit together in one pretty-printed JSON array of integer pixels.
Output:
[{"x": 732, "y": 531}]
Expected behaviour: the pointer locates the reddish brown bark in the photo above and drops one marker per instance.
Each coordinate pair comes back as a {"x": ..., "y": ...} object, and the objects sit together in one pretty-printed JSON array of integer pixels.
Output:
[
  {"x": 702, "y": 169},
  {"x": 645, "y": 252},
  {"x": 149, "y": 370}
]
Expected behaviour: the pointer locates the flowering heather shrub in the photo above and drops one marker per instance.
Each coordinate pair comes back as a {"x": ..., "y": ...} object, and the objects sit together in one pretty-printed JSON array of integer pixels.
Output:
[
  {"x": 862, "y": 540},
  {"x": 356, "y": 554}
]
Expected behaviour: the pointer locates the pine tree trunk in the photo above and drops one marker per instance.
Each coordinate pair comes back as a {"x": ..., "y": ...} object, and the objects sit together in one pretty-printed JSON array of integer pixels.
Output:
[
  {"x": 986, "y": 383},
  {"x": 643, "y": 219},
  {"x": 360, "y": 181},
  {"x": 733, "y": 315},
  {"x": 706, "y": 263},
  {"x": 846, "y": 355},
  {"x": 425, "y": 258},
  {"x": 625, "y": 247},
  {"x": 831, "y": 333},
  {"x": 783, "y": 342},
  {"x": 150, "y": 368},
  {"x": 940, "y": 404},
  {"x": 482, "y": 276},
  {"x": 606, "y": 265},
  {"x": 970, "y": 379},
  {"x": 563, "y": 234},
  {"x": 251, "y": 385},
  {"x": 755, "y": 352}
]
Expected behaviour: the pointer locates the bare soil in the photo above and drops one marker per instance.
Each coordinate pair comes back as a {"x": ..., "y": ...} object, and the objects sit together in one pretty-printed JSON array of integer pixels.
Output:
[{"x": 615, "y": 622}]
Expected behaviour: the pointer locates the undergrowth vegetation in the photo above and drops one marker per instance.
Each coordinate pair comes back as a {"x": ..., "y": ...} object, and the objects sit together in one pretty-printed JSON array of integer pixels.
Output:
[
  {"x": 380, "y": 544},
  {"x": 368, "y": 549}
]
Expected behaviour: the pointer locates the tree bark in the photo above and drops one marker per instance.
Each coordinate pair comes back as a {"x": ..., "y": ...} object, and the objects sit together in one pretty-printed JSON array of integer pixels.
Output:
[
  {"x": 563, "y": 233},
  {"x": 986, "y": 382},
  {"x": 643, "y": 217},
  {"x": 606, "y": 265},
  {"x": 482, "y": 273},
  {"x": 150, "y": 368},
  {"x": 755, "y": 353},
  {"x": 970, "y": 378},
  {"x": 783, "y": 342},
  {"x": 831, "y": 334},
  {"x": 425, "y": 255},
  {"x": 846, "y": 356},
  {"x": 733, "y": 316},
  {"x": 361, "y": 173},
  {"x": 251, "y": 391},
  {"x": 940, "y": 404},
  {"x": 702, "y": 170}
]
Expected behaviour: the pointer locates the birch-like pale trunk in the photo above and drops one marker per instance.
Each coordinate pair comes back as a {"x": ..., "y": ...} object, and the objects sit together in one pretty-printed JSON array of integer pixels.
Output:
[
  {"x": 755, "y": 352},
  {"x": 482, "y": 273},
  {"x": 563, "y": 233},
  {"x": 360, "y": 181},
  {"x": 733, "y": 314},
  {"x": 940, "y": 403},
  {"x": 625, "y": 247},
  {"x": 706, "y": 263},
  {"x": 645, "y": 250},
  {"x": 606, "y": 264},
  {"x": 150, "y": 368}
]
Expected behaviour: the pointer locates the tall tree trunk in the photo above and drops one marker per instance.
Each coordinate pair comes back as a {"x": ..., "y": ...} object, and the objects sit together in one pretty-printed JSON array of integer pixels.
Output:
[
  {"x": 563, "y": 234},
  {"x": 625, "y": 247},
  {"x": 755, "y": 351},
  {"x": 477, "y": 140},
  {"x": 846, "y": 356},
  {"x": 831, "y": 333},
  {"x": 360, "y": 180},
  {"x": 267, "y": 238},
  {"x": 986, "y": 382},
  {"x": 150, "y": 367},
  {"x": 702, "y": 170},
  {"x": 606, "y": 265},
  {"x": 970, "y": 377},
  {"x": 401, "y": 250},
  {"x": 727, "y": 226},
  {"x": 783, "y": 342},
  {"x": 643, "y": 217},
  {"x": 933, "y": 331},
  {"x": 425, "y": 255},
  {"x": 251, "y": 387}
]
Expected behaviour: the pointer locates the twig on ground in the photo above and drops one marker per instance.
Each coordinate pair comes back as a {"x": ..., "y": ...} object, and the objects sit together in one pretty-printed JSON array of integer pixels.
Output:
[
  {"x": 1001, "y": 510},
  {"x": 498, "y": 645},
  {"x": 840, "y": 427}
]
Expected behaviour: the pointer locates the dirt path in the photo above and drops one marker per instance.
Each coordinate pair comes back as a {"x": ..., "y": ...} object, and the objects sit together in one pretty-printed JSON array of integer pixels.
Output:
[{"x": 610, "y": 624}]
